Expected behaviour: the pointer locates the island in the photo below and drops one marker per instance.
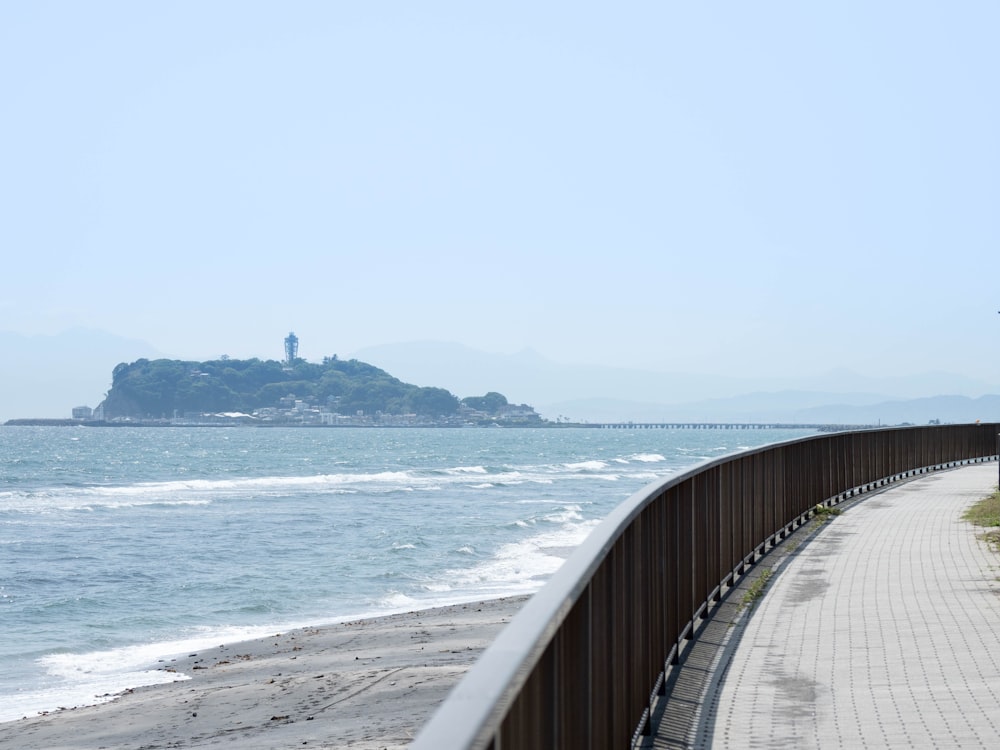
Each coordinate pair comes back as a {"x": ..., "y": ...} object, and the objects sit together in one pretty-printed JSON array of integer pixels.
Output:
[{"x": 349, "y": 393}]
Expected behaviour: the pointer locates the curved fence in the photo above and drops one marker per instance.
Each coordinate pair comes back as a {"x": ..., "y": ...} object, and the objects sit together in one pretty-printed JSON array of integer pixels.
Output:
[{"x": 584, "y": 660}]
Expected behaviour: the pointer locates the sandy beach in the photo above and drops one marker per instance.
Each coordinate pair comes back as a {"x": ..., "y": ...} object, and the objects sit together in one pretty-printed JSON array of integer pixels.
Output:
[{"x": 361, "y": 684}]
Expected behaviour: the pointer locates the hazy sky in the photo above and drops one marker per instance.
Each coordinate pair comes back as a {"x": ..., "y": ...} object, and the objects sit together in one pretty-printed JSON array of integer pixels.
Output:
[{"x": 755, "y": 187}]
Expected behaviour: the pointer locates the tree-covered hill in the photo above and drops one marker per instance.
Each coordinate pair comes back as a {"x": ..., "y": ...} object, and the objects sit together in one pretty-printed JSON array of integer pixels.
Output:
[{"x": 166, "y": 388}]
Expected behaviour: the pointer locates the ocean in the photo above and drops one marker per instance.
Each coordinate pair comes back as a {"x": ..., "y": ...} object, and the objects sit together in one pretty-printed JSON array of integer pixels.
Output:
[{"x": 121, "y": 547}]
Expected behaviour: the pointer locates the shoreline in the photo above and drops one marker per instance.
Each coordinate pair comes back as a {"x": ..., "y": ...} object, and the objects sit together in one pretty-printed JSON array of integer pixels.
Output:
[{"x": 367, "y": 683}]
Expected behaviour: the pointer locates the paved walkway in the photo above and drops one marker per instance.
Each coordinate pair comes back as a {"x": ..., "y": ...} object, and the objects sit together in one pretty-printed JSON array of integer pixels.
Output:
[{"x": 878, "y": 629}]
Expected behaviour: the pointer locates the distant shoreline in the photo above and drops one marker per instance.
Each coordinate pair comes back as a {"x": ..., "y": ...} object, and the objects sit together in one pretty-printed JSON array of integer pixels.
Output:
[
  {"x": 534, "y": 425},
  {"x": 163, "y": 423}
]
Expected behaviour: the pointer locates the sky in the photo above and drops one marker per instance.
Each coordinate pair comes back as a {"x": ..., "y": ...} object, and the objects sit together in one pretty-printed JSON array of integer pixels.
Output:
[{"x": 763, "y": 188}]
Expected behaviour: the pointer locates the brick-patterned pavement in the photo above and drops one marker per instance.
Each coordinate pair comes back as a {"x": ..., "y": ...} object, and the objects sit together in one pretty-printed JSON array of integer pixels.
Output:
[{"x": 880, "y": 629}]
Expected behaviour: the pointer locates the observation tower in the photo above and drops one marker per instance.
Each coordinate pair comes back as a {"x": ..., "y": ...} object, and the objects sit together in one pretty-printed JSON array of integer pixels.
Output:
[{"x": 291, "y": 348}]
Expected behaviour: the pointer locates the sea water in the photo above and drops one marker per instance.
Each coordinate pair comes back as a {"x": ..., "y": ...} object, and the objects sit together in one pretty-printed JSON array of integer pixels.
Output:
[{"x": 121, "y": 547}]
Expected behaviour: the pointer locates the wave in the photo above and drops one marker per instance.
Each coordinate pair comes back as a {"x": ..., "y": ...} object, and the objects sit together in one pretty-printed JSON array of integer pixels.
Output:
[
  {"x": 204, "y": 491},
  {"x": 593, "y": 465},
  {"x": 88, "y": 678},
  {"x": 648, "y": 458},
  {"x": 467, "y": 470},
  {"x": 398, "y": 601},
  {"x": 207, "y": 490},
  {"x": 649, "y": 476},
  {"x": 127, "y": 504},
  {"x": 521, "y": 566}
]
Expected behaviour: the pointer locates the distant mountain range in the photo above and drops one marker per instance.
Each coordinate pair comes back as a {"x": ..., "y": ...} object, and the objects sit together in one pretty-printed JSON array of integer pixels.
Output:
[
  {"x": 752, "y": 408},
  {"x": 46, "y": 376},
  {"x": 591, "y": 393}
]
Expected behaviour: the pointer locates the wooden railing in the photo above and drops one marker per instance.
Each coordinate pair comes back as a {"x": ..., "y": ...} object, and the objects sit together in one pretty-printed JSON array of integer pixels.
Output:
[{"x": 585, "y": 658}]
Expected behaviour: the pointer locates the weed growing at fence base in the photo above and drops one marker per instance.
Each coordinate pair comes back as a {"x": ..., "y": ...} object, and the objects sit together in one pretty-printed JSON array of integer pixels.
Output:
[
  {"x": 823, "y": 514},
  {"x": 986, "y": 513},
  {"x": 826, "y": 513},
  {"x": 756, "y": 589}
]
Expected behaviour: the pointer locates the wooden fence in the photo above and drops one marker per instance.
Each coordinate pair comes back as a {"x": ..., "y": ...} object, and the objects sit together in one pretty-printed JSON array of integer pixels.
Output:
[{"x": 583, "y": 661}]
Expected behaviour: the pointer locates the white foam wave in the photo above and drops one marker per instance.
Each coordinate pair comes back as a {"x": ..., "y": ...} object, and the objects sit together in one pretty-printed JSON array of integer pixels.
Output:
[
  {"x": 82, "y": 692},
  {"x": 398, "y": 601},
  {"x": 142, "y": 657},
  {"x": 202, "y": 491},
  {"x": 116, "y": 506},
  {"x": 437, "y": 588},
  {"x": 522, "y": 566},
  {"x": 566, "y": 515},
  {"x": 586, "y": 465},
  {"x": 648, "y": 458},
  {"x": 84, "y": 679},
  {"x": 509, "y": 477},
  {"x": 649, "y": 475}
]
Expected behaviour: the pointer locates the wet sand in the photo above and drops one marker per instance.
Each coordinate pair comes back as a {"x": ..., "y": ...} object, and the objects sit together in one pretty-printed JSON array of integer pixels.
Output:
[{"x": 361, "y": 684}]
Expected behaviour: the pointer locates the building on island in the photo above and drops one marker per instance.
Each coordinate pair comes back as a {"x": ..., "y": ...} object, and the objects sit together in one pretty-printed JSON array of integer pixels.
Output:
[{"x": 291, "y": 348}]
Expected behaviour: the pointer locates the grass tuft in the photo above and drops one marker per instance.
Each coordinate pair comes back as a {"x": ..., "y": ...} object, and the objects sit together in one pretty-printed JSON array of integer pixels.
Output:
[
  {"x": 986, "y": 514},
  {"x": 756, "y": 589},
  {"x": 822, "y": 515},
  {"x": 826, "y": 513}
]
